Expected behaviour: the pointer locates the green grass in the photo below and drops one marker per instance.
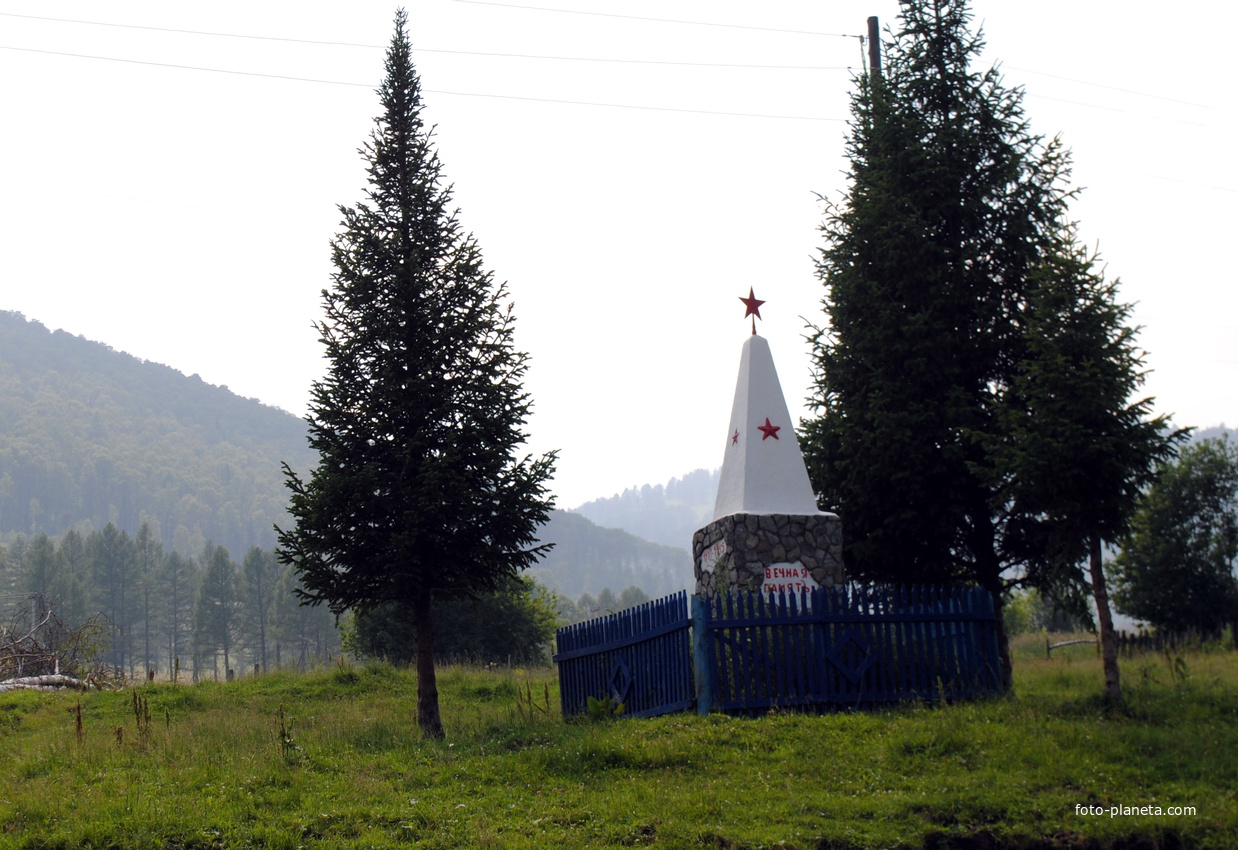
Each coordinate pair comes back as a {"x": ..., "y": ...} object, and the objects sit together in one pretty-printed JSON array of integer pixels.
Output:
[{"x": 333, "y": 759}]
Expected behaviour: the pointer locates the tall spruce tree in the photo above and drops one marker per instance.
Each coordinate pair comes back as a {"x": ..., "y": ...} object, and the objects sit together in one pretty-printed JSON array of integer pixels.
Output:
[
  {"x": 419, "y": 493},
  {"x": 955, "y": 292}
]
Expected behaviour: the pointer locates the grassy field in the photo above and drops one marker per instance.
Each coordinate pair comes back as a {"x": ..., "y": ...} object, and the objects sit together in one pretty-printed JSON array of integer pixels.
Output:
[{"x": 332, "y": 759}]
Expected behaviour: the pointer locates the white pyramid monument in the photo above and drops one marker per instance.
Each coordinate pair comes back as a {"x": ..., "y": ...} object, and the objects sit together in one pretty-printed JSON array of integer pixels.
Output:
[
  {"x": 763, "y": 470},
  {"x": 767, "y": 532}
]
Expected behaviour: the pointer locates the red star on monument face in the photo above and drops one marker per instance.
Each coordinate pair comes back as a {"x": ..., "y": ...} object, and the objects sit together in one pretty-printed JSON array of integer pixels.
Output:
[
  {"x": 752, "y": 305},
  {"x": 767, "y": 430},
  {"x": 735, "y": 438}
]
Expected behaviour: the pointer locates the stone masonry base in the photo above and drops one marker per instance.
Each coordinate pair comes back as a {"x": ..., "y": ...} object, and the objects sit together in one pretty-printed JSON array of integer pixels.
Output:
[{"x": 732, "y": 553}]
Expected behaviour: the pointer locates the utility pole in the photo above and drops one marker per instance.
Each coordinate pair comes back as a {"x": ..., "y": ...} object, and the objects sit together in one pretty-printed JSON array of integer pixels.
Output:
[{"x": 874, "y": 47}]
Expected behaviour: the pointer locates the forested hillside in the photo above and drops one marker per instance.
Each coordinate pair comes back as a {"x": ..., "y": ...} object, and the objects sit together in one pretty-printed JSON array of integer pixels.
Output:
[
  {"x": 92, "y": 434},
  {"x": 588, "y": 559}
]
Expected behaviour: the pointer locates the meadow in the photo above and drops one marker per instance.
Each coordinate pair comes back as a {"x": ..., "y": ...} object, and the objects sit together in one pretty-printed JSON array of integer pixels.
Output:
[{"x": 332, "y": 759}]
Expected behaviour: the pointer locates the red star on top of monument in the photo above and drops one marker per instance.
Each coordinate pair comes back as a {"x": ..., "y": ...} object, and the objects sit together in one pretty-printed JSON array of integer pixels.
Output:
[
  {"x": 752, "y": 307},
  {"x": 767, "y": 430}
]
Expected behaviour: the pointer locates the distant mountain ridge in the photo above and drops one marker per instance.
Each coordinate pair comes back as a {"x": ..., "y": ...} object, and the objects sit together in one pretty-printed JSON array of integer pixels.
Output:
[
  {"x": 1215, "y": 432},
  {"x": 91, "y": 435},
  {"x": 668, "y": 514}
]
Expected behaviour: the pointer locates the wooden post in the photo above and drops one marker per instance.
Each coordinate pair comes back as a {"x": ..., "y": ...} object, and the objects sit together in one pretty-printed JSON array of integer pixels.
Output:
[
  {"x": 874, "y": 48},
  {"x": 702, "y": 645}
]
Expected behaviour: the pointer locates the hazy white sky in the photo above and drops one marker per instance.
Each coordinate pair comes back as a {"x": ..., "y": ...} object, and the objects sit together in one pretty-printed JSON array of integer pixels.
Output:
[{"x": 171, "y": 189}]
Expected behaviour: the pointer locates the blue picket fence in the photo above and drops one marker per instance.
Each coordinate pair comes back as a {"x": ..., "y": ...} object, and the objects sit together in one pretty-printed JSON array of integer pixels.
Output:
[
  {"x": 826, "y": 649},
  {"x": 850, "y": 645},
  {"x": 639, "y": 658}
]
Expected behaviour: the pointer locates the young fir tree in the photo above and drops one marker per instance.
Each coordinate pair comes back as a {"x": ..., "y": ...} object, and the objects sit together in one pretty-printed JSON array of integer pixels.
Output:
[
  {"x": 1072, "y": 451},
  {"x": 949, "y": 257},
  {"x": 419, "y": 493}
]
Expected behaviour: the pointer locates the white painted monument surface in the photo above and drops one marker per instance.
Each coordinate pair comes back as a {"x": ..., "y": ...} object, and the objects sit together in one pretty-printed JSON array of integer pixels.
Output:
[{"x": 763, "y": 470}]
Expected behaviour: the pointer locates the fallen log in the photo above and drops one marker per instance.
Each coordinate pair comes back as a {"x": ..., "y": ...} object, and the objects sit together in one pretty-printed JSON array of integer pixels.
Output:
[{"x": 50, "y": 682}]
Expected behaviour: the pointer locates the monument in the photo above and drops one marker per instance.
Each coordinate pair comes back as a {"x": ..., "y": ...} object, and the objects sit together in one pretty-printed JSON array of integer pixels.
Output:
[{"x": 767, "y": 533}]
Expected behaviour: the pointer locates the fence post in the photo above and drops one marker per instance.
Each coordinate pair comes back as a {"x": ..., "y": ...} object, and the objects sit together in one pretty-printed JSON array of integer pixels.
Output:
[{"x": 702, "y": 649}]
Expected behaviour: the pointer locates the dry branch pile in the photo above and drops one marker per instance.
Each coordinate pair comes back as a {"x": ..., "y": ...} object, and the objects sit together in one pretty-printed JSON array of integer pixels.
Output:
[{"x": 47, "y": 655}]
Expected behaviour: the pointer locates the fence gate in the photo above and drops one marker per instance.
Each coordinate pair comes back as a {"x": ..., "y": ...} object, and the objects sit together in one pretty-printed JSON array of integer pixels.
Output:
[{"x": 639, "y": 658}]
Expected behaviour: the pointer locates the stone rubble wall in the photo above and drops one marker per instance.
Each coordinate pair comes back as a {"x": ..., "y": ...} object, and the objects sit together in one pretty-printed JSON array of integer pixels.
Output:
[{"x": 732, "y": 553}]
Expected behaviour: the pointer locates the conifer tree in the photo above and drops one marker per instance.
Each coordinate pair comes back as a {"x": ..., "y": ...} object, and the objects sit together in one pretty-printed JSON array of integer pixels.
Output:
[
  {"x": 216, "y": 610},
  {"x": 1073, "y": 446},
  {"x": 259, "y": 577},
  {"x": 148, "y": 554},
  {"x": 301, "y": 632},
  {"x": 419, "y": 493},
  {"x": 176, "y": 582},
  {"x": 42, "y": 569},
  {"x": 960, "y": 308},
  {"x": 112, "y": 560},
  {"x": 72, "y": 596}
]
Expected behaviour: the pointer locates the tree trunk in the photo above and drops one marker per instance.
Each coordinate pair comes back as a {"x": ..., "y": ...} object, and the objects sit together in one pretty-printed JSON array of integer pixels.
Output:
[
  {"x": 146, "y": 628},
  {"x": 427, "y": 686},
  {"x": 1003, "y": 639},
  {"x": 1104, "y": 619}
]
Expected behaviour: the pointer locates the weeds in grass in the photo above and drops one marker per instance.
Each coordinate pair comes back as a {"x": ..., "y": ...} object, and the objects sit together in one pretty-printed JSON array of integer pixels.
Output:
[
  {"x": 292, "y": 752},
  {"x": 1179, "y": 674},
  {"x": 141, "y": 717},
  {"x": 527, "y": 707},
  {"x": 606, "y": 708}
]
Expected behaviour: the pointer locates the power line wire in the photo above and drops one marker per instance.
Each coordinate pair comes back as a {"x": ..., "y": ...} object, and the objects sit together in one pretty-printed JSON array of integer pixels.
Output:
[
  {"x": 654, "y": 20},
  {"x": 638, "y": 106},
  {"x": 427, "y": 91},
  {"x": 1118, "y": 109},
  {"x": 638, "y": 61},
  {"x": 1111, "y": 88},
  {"x": 433, "y": 50},
  {"x": 184, "y": 67},
  {"x": 191, "y": 32},
  {"x": 573, "y": 58}
]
